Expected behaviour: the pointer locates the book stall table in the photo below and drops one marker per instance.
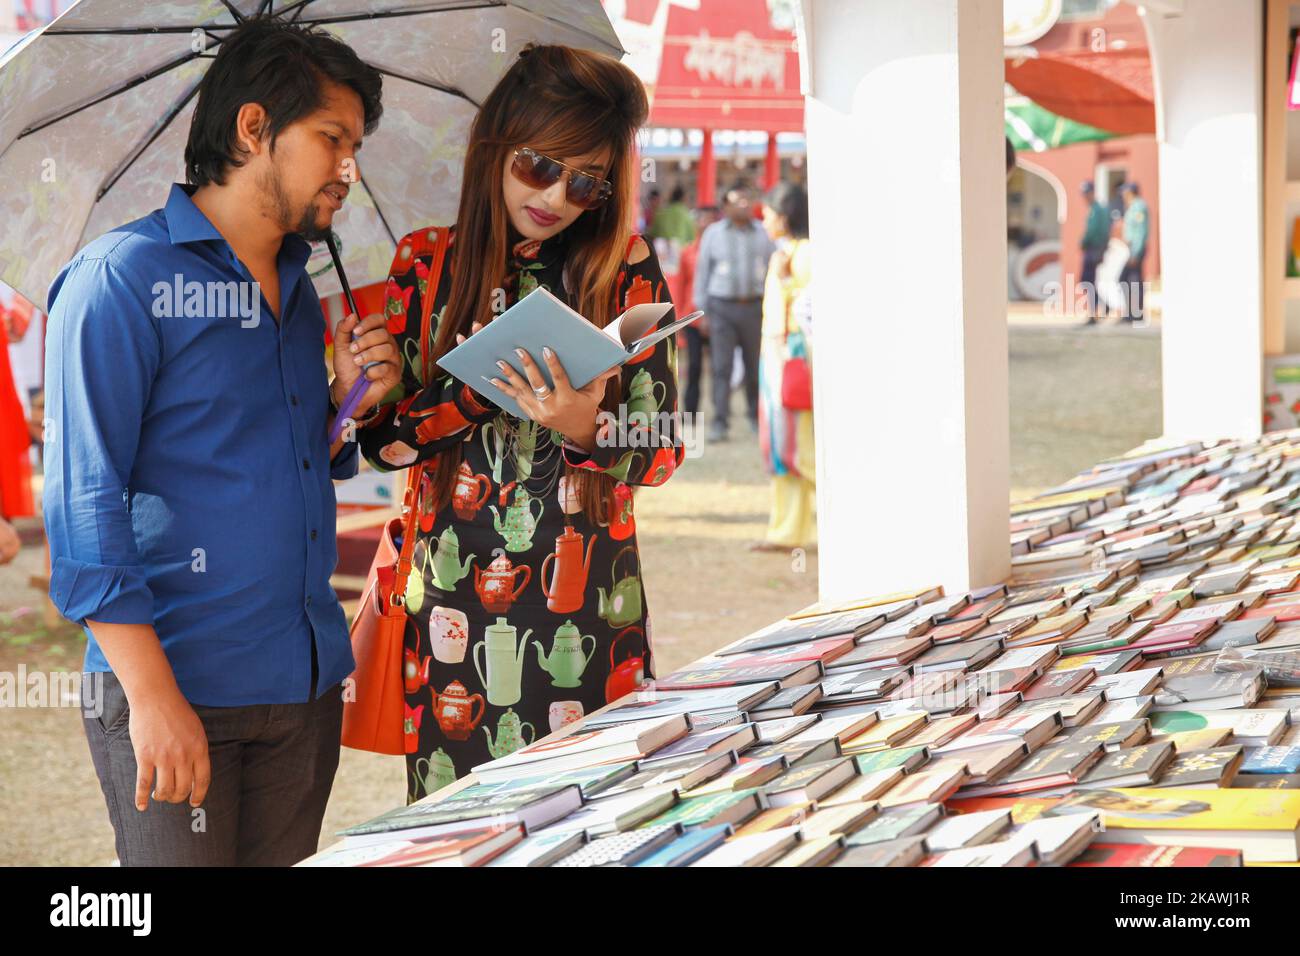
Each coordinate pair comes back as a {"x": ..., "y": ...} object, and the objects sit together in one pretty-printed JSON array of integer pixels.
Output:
[{"x": 1127, "y": 698}]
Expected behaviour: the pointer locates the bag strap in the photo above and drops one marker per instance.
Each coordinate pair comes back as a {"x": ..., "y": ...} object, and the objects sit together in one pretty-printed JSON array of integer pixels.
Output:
[{"x": 415, "y": 474}]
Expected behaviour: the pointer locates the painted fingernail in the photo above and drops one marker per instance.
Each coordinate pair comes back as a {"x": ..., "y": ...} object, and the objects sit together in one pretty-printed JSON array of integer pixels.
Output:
[
  {"x": 501, "y": 365},
  {"x": 546, "y": 350},
  {"x": 352, "y": 348},
  {"x": 358, "y": 360},
  {"x": 519, "y": 352}
]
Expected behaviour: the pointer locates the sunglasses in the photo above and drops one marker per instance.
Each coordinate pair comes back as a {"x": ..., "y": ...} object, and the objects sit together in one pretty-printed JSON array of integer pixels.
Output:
[{"x": 541, "y": 172}]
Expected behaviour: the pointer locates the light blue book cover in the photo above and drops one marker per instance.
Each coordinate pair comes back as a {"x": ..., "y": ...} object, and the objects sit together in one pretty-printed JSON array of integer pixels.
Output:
[
  {"x": 689, "y": 847},
  {"x": 540, "y": 319},
  {"x": 1272, "y": 760}
]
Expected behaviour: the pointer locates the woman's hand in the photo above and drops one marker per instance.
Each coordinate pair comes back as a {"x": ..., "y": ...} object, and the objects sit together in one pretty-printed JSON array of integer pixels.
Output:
[{"x": 570, "y": 411}]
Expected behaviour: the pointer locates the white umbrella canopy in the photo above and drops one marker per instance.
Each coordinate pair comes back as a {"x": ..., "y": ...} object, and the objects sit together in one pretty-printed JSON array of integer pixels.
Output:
[{"x": 95, "y": 112}]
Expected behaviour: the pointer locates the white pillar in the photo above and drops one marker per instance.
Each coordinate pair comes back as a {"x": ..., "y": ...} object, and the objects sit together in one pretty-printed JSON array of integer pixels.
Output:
[
  {"x": 908, "y": 220},
  {"x": 1208, "y": 62}
]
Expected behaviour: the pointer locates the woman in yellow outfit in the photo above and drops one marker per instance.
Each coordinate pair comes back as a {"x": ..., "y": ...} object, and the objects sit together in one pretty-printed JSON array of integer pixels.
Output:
[{"x": 785, "y": 422}]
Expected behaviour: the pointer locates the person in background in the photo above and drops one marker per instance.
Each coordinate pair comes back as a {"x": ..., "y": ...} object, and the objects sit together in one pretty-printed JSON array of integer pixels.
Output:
[
  {"x": 647, "y": 213},
  {"x": 1096, "y": 236},
  {"x": 729, "y": 274},
  {"x": 1136, "y": 227},
  {"x": 16, "y": 500},
  {"x": 682, "y": 287},
  {"x": 786, "y": 434},
  {"x": 673, "y": 221}
]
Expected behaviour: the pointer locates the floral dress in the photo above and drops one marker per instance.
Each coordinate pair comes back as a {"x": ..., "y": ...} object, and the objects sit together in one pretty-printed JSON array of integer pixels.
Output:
[{"x": 522, "y": 615}]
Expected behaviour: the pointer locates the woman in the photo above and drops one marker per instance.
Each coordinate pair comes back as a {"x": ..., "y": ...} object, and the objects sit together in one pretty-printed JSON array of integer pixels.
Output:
[
  {"x": 786, "y": 434},
  {"x": 525, "y": 604}
]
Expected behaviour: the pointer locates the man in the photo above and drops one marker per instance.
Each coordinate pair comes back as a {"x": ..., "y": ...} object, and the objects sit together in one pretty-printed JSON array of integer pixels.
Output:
[
  {"x": 1096, "y": 236},
  {"x": 1136, "y": 226},
  {"x": 187, "y": 497},
  {"x": 682, "y": 287},
  {"x": 729, "y": 275}
]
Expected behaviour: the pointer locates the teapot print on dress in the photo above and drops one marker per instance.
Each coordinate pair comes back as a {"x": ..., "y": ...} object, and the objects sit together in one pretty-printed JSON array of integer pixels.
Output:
[
  {"x": 433, "y": 772},
  {"x": 643, "y": 403},
  {"x": 496, "y": 586},
  {"x": 494, "y": 446},
  {"x": 564, "y": 590},
  {"x": 414, "y": 673},
  {"x": 447, "y": 566},
  {"x": 411, "y": 727},
  {"x": 454, "y": 710},
  {"x": 510, "y": 735},
  {"x": 466, "y": 500},
  {"x": 448, "y": 634},
  {"x": 504, "y": 661},
  {"x": 622, "y": 523},
  {"x": 566, "y": 661},
  {"x": 622, "y": 605},
  {"x": 627, "y": 675},
  {"x": 519, "y": 524}
]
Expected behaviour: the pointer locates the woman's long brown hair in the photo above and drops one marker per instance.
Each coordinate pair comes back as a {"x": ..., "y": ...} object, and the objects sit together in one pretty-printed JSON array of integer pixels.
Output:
[{"x": 562, "y": 102}]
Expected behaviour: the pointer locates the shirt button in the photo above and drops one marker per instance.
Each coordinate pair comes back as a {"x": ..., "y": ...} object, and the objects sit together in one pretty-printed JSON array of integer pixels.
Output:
[
  {"x": 309, "y": 600},
  {"x": 306, "y": 465},
  {"x": 313, "y": 534},
  {"x": 293, "y": 399}
]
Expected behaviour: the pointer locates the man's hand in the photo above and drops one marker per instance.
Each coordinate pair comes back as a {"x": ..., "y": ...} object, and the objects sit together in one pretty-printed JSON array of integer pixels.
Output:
[
  {"x": 569, "y": 411},
  {"x": 171, "y": 752},
  {"x": 359, "y": 342}
]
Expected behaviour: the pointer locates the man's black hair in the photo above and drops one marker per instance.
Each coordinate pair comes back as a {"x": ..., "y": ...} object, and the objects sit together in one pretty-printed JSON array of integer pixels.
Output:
[{"x": 280, "y": 65}]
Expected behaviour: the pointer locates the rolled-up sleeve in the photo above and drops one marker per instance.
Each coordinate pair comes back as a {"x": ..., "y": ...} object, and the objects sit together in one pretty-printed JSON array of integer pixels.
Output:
[
  {"x": 102, "y": 353},
  {"x": 347, "y": 463}
]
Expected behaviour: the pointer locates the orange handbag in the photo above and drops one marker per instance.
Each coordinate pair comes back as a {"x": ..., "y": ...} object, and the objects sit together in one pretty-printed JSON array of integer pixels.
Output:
[{"x": 374, "y": 709}]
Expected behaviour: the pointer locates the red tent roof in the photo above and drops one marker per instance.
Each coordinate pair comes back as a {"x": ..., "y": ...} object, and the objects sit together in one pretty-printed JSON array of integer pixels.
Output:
[
  {"x": 1111, "y": 90},
  {"x": 726, "y": 66}
]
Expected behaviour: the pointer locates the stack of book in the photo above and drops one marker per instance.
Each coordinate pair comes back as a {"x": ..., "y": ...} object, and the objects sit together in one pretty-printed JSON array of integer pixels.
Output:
[{"x": 1126, "y": 698}]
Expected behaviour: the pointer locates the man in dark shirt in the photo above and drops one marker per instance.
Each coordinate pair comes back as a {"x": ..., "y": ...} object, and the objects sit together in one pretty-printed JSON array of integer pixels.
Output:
[{"x": 188, "y": 498}]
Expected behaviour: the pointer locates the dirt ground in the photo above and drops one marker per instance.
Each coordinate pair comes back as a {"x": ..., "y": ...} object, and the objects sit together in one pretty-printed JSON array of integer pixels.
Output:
[{"x": 1077, "y": 395}]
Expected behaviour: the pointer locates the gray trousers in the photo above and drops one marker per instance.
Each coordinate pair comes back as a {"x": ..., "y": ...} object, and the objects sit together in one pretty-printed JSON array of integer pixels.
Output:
[
  {"x": 733, "y": 323},
  {"x": 272, "y": 770}
]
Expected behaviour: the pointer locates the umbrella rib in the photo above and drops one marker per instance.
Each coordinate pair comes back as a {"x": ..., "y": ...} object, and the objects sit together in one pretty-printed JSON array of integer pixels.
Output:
[
  {"x": 140, "y": 150},
  {"x": 131, "y": 84},
  {"x": 375, "y": 199},
  {"x": 132, "y": 31},
  {"x": 239, "y": 17},
  {"x": 153, "y": 74},
  {"x": 450, "y": 91},
  {"x": 389, "y": 14},
  {"x": 569, "y": 26}
]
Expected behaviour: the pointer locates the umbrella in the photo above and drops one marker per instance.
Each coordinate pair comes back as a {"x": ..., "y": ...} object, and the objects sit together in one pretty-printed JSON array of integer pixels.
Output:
[{"x": 95, "y": 111}]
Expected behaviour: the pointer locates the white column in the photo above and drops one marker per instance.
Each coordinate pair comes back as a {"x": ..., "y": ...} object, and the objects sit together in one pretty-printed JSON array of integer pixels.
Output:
[
  {"x": 1208, "y": 63},
  {"x": 908, "y": 220}
]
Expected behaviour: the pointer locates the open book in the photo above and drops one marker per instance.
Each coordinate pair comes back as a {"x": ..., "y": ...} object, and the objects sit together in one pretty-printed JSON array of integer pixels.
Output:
[{"x": 540, "y": 319}]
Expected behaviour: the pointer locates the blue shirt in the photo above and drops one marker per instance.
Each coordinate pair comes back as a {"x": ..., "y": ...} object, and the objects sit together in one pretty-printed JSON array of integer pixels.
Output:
[
  {"x": 187, "y": 471},
  {"x": 732, "y": 261}
]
